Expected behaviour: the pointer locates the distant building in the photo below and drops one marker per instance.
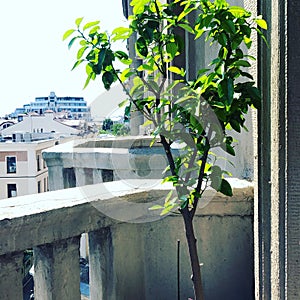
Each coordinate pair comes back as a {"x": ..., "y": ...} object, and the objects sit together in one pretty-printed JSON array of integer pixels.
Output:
[
  {"x": 34, "y": 126},
  {"x": 6, "y": 123},
  {"x": 73, "y": 107},
  {"x": 22, "y": 168}
]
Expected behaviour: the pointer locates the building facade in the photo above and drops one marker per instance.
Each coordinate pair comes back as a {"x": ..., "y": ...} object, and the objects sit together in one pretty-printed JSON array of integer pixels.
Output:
[
  {"x": 39, "y": 127},
  {"x": 74, "y": 107},
  {"x": 22, "y": 168}
]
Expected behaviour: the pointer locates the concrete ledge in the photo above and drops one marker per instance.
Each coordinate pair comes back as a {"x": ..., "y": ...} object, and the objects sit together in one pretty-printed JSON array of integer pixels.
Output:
[{"x": 34, "y": 220}]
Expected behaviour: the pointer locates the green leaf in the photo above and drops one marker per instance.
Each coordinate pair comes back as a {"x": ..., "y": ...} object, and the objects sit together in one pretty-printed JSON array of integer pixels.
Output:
[
  {"x": 107, "y": 79},
  {"x": 186, "y": 27},
  {"x": 246, "y": 75},
  {"x": 87, "y": 80},
  {"x": 68, "y": 33},
  {"x": 218, "y": 104},
  {"x": 123, "y": 103},
  {"x": 77, "y": 63},
  {"x": 225, "y": 89},
  {"x": 89, "y": 68},
  {"x": 121, "y": 33},
  {"x": 175, "y": 70},
  {"x": 228, "y": 26},
  {"x": 90, "y": 24},
  {"x": 172, "y": 49},
  {"x": 230, "y": 150},
  {"x": 225, "y": 188},
  {"x": 168, "y": 197},
  {"x": 242, "y": 63},
  {"x": 81, "y": 51},
  {"x": 121, "y": 54},
  {"x": 138, "y": 6},
  {"x": 93, "y": 31},
  {"x": 238, "y": 11},
  {"x": 78, "y": 21},
  {"x": 168, "y": 209},
  {"x": 156, "y": 207},
  {"x": 216, "y": 177},
  {"x": 127, "y": 111},
  {"x": 101, "y": 57},
  {"x": 261, "y": 23},
  {"x": 222, "y": 39},
  {"x": 199, "y": 33},
  {"x": 141, "y": 46},
  {"x": 126, "y": 74},
  {"x": 72, "y": 41},
  {"x": 248, "y": 42},
  {"x": 144, "y": 67},
  {"x": 147, "y": 123},
  {"x": 235, "y": 125}
]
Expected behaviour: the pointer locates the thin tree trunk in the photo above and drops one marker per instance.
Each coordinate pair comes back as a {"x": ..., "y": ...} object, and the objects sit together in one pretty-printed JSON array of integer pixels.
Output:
[{"x": 194, "y": 258}]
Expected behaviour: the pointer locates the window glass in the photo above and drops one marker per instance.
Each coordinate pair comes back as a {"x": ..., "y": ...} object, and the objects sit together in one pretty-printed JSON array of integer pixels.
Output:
[
  {"x": 39, "y": 187},
  {"x": 11, "y": 190},
  {"x": 38, "y": 165},
  {"x": 11, "y": 164}
]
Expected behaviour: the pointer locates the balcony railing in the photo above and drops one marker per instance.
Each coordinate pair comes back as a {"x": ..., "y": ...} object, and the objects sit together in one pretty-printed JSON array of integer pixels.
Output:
[{"x": 52, "y": 223}]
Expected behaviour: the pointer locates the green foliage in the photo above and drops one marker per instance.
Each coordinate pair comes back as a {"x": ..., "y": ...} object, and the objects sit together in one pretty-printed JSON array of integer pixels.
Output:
[
  {"x": 107, "y": 124},
  {"x": 119, "y": 129},
  {"x": 197, "y": 114}
]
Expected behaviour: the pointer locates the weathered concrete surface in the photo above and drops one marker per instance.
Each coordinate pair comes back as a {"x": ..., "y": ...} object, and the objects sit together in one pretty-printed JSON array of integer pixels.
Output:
[
  {"x": 11, "y": 275},
  {"x": 44, "y": 218},
  {"x": 101, "y": 262},
  {"x": 225, "y": 249},
  {"x": 278, "y": 192},
  {"x": 132, "y": 249},
  {"x": 126, "y": 158},
  {"x": 56, "y": 270},
  {"x": 146, "y": 268}
]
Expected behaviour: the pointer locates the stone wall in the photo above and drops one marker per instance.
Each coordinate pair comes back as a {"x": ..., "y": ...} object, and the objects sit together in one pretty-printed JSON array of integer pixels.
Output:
[{"x": 133, "y": 251}]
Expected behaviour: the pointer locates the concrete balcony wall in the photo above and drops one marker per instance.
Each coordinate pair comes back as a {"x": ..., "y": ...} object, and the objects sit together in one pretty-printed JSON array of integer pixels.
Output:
[
  {"x": 132, "y": 250},
  {"x": 91, "y": 161}
]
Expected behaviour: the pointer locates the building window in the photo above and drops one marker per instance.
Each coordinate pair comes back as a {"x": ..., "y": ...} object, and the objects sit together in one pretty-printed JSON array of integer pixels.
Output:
[
  {"x": 45, "y": 184},
  {"x": 11, "y": 164},
  {"x": 107, "y": 175},
  {"x": 39, "y": 187},
  {"x": 38, "y": 165},
  {"x": 11, "y": 190}
]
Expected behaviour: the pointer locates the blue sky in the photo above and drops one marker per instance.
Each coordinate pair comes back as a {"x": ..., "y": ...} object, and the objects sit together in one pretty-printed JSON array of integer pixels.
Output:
[{"x": 35, "y": 60}]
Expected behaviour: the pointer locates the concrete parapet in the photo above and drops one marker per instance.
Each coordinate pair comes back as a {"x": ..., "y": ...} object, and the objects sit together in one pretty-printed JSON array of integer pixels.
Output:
[{"x": 132, "y": 250}]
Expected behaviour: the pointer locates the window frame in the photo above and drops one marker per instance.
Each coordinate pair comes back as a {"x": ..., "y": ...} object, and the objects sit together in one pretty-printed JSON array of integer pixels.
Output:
[
  {"x": 9, "y": 190},
  {"x": 8, "y": 168}
]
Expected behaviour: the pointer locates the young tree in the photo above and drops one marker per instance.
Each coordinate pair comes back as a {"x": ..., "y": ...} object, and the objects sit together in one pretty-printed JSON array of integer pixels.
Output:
[{"x": 198, "y": 114}]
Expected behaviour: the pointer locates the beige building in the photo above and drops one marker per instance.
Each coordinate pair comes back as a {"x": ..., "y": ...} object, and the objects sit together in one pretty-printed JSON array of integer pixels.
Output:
[{"x": 22, "y": 168}]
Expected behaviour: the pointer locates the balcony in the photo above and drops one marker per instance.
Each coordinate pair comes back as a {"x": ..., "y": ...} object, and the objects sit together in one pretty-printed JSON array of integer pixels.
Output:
[{"x": 132, "y": 251}]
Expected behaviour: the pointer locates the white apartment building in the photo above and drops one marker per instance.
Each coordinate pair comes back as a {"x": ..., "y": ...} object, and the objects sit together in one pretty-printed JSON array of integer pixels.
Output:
[
  {"x": 39, "y": 125},
  {"x": 75, "y": 107},
  {"x": 22, "y": 168}
]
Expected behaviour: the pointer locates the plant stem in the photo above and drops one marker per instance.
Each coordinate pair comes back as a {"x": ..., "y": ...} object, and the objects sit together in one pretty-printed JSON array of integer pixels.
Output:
[{"x": 194, "y": 258}]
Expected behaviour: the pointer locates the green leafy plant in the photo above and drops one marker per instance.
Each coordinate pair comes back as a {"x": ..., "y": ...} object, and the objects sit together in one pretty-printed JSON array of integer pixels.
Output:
[
  {"x": 199, "y": 114},
  {"x": 119, "y": 129},
  {"x": 107, "y": 124}
]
